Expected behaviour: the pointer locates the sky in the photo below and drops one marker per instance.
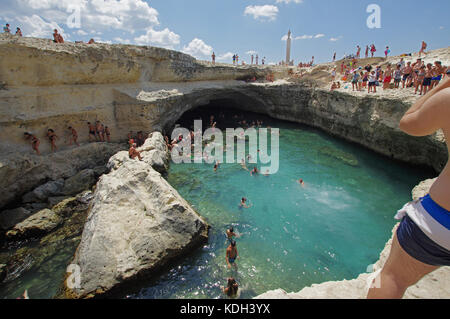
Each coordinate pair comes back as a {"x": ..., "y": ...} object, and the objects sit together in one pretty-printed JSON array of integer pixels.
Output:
[{"x": 200, "y": 27}]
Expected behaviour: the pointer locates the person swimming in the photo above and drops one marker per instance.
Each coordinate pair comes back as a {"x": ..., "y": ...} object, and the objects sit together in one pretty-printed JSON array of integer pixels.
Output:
[
  {"x": 231, "y": 290},
  {"x": 254, "y": 171},
  {"x": 301, "y": 182},
  {"x": 216, "y": 166},
  {"x": 244, "y": 203}
]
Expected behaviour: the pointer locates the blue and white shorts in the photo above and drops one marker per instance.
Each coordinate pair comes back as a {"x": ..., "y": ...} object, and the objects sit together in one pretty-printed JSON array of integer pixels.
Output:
[{"x": 424, "y": 231}]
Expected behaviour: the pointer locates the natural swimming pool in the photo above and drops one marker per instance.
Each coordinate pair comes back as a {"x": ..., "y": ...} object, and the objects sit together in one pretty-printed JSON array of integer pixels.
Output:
[
  {"x": 291, "y": 237},
  {"x": 333, "y": 228}
]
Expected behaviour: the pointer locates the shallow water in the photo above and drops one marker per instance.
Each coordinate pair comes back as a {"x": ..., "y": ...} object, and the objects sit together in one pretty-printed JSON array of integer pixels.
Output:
[{"x": 333, "y": 228}]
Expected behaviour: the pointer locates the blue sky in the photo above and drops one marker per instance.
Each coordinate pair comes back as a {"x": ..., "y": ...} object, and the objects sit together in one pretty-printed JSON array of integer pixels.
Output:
[{"x": 199, "y": 27}]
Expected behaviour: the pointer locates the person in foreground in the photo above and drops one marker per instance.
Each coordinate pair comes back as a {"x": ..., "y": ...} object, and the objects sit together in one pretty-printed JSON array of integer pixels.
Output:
[
  {"x": 231, "y": 290},
  {"x": 421, "y": 243}
]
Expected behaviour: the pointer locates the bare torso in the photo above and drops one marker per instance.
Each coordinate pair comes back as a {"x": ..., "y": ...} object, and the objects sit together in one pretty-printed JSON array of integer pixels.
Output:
[{"x": 440, "y": 191}]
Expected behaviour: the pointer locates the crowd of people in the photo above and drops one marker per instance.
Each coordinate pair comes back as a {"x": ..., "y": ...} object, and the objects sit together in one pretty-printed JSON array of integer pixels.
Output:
[
  {"x": 419, "y": 75},
  {"x": 97, "y": 133},
  {"x": 254, "y": 59}
]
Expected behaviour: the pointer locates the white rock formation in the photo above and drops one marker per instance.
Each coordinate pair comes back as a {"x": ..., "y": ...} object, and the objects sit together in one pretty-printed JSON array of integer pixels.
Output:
[{"x": 137, "y": 223}]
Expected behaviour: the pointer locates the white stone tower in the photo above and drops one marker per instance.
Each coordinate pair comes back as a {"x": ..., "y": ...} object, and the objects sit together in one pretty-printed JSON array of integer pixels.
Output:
[{"x": 288, "y": 49}]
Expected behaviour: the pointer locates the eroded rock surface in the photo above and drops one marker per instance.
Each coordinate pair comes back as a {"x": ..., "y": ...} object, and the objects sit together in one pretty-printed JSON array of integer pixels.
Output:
[
  {"x": 136, "y": 224},
  {"x": 36, "y": 225}
]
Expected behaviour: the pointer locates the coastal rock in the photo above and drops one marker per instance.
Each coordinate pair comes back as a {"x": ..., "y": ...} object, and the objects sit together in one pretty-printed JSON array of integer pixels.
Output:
[
  {"x": 422, "y": 189},
  {"x": 41, "y": 193},
  {"x": 2, "y": 272},
  {"x": 136, "y": 224},
  {"x": 22, "y": 173},
  {"x": 11, "y": 217},
  {"x": 435, "y": 285},
  {"x": 154, "y": 153},
  {"x": 82, "y": 181},
  {"x": 36, "y": 225}
]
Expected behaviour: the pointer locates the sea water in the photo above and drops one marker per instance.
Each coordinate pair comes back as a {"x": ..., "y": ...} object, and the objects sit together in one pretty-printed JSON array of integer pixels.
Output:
[
  {"x": 292, "y": 236},
  {"x": 333, "y": 228}
]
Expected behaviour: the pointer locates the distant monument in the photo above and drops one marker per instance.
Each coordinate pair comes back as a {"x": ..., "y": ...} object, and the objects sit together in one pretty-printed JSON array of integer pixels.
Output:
[{"x": 288, "y": 50}]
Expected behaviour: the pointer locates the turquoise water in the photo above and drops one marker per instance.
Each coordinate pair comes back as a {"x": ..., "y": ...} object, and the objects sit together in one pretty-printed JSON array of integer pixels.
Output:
[{"x": 333, "y": 228}]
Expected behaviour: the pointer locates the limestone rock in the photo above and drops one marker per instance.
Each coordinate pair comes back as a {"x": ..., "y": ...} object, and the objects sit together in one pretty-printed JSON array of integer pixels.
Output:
[
  {"x": 22, "y": 173},
  {"x": 136, "y": 224},
  {"x": 52, "y": 201},
  {"x": 9, "y": 218},
  {"x": 41, "y": 193},
  {"x": 422, "y": 189},
  {"x": 36, "y": 225},
  {"x": 2, "y": 272},
  {"x": 82, "y": 181}
]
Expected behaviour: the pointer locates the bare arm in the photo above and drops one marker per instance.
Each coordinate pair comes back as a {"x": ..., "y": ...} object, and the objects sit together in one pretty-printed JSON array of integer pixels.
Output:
[
  {"x": 431, "y": 114},
  {"x": 423, "y": 99}
]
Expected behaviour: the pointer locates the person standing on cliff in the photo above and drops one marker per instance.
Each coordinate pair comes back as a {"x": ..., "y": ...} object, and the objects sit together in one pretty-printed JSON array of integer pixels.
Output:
[
  {"x": 367, "y": 51},
  {"x": 257, "y": 59},
  {"x": 57, "y": 37},
  {"x": 74, "y": 136},
  {"x": 423, "y": 48},
  {"x": 34, "y": 142},
  {"x": 52, "y": 138},
  {"x": 6, "y": 29},
  {"x": 91, "y": 132},
  {"x": 421, "y": 243},
  {"x": 213, "y": 56},
  {"x": 358, "y": 51}
]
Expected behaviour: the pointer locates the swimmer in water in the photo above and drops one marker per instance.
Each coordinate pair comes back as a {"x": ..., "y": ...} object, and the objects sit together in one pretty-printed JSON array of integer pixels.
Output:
[
  {"x": 231, "y": 290},
  {"x": 232, "y": 254},
  {"x": 216, "y": 166},
  {"x": 254, "y": 171},
  {"x": 244, "y": 203},
  {"x": 301, "y": 182},
  {"x": 231, "y": 234}
]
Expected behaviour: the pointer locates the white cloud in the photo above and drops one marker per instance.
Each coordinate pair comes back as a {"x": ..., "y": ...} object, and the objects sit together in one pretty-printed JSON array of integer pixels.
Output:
[
  {"x": 441, "y": 28},
  {"x": 304, "y": 37},
  {"x": 289, "y": 1},
  {"x": 198, "y": 49},
  {"x": 268, "y": 12},
  {"x": 251, "y": 52},
  {"x": 129, "y": 16},
  {"x": 39, "y": 27},
  {"x": 320, "y": 35},
  {"x": 226, "y": 57},
  {"x": 336, "y": 39},
  {"x": 165, "y": 38}
]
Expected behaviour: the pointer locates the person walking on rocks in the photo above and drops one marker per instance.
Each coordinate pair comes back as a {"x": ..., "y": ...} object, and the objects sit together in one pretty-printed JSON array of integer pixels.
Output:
[
  {"x": 421, "y": 243},
  {"x": 73, "y": 137},
  {"x": 34, "y": 142},
  {"x": 52, "y": 137}
]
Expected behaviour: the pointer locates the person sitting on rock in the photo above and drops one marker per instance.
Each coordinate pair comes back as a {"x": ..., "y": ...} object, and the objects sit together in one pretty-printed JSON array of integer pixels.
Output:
[
  {"x": 57, "y": 37},
  {"x": 52, "y": 137},
  {"x": 91, "y": 41},
  {"x": 18, "y": 32},
  {"x": 34, "y": 142},
  {"x": 133, "y": 152},
  {"x": 6, "y": 29},
  {"x": 421, "y": 243},
  {"x": 74, "y": 136}
]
